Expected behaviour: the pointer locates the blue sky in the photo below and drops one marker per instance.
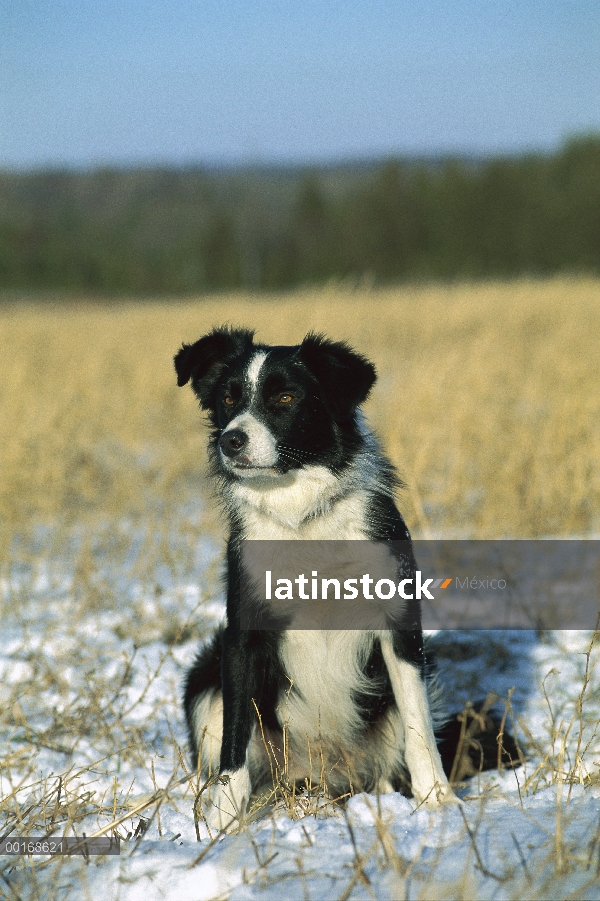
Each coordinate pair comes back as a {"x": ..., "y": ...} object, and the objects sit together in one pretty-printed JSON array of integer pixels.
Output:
[{"x": 186, "y": 81}]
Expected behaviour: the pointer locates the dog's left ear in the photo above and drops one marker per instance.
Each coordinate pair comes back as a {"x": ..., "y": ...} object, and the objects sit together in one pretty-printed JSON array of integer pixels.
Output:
[{"x": 344, "y": 376}]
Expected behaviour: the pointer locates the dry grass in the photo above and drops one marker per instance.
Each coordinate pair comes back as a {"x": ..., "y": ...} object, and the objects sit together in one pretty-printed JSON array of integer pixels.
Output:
[{"x": 487, "y": 401}]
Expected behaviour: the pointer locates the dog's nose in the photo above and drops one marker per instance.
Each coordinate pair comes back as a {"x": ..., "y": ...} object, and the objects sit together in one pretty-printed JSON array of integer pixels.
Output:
[{"x": 231, "y": 443}]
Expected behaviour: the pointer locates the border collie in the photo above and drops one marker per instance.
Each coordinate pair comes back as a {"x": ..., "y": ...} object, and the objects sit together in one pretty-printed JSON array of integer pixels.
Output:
[{"x": 293, "y": 459}]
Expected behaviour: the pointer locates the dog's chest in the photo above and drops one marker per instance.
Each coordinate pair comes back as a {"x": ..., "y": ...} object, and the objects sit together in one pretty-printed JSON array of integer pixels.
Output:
[
  {"x": 306, "y": 510},
  {"x": 323, "y": 672},
  {"x": 323, "y": 669}
]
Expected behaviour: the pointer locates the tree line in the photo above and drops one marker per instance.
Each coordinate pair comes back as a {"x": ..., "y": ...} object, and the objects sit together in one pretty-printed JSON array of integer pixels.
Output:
[{"x": 186, "y": 230}]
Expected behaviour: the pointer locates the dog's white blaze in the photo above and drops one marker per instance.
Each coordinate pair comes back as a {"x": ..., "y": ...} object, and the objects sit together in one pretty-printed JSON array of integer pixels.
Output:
[
  {"x": 429, "y": 783},
  {"x": 261, "y": 448},
  {"x": 254, "y": 368}
]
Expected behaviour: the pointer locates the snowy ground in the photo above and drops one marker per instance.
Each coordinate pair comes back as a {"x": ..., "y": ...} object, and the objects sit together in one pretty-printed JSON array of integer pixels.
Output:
[{"x": 93, "y": 740}]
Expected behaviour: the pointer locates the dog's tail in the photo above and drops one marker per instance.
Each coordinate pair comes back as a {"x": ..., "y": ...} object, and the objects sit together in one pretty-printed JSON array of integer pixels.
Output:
[{"x": 475, "y": 740}]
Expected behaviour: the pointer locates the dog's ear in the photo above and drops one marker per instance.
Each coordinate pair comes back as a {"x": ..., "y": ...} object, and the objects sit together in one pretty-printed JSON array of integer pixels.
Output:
[
  {"x": 203, "y": 361},
  {"x": 344, "y": 376}
]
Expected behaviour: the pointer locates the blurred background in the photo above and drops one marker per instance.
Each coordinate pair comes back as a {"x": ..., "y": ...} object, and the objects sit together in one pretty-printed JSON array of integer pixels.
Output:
[{"x": 181, "y": 149}]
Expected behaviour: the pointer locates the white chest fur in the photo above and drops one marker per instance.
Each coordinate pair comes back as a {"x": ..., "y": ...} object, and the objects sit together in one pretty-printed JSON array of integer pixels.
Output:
[
  {"x": 306, "y": 504},
  {"x": 315, "y": 660},
  {"x": 310, "y": 505}
]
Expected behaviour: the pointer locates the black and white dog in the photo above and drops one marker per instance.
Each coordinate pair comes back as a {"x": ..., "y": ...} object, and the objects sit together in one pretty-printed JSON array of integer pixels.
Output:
[{"x": 295, "y": 460}]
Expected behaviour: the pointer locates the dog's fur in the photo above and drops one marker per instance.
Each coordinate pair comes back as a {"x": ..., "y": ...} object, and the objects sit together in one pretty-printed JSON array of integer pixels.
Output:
[{"x": 294, "y": 459}]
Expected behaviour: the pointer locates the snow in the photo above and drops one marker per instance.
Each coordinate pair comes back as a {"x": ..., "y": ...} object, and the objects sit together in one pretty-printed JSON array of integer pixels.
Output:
[
  {"x": 510, "y": 852},
  {"x": 527, "y": 833}
]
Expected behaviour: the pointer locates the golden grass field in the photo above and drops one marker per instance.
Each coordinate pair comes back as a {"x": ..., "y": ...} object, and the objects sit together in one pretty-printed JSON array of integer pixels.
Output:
[{"x": 487, "y": 401}]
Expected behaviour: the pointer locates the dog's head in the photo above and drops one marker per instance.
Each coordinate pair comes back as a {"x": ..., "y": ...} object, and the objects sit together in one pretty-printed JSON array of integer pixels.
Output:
[{"x": 276, "y": 408}]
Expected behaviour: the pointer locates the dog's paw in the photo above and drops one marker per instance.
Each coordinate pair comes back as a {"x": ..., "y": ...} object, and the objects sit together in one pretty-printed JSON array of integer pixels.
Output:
[
  {"x": 228, "y": 800},
  {"x": 440, "y": 793},
  {"x": 220, "y": 818}
]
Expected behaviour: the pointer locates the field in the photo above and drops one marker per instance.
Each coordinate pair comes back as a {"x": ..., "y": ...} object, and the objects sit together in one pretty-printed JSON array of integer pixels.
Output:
[{"x": 488, "y": 403}]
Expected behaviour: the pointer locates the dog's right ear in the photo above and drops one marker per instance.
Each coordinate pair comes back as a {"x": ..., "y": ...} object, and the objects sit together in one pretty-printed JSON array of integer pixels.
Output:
[{"x": 203, "y": 361}]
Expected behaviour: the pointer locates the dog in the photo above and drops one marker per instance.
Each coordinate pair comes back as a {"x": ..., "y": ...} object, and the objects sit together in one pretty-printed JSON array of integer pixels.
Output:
[{"x": 293, "y": 459}]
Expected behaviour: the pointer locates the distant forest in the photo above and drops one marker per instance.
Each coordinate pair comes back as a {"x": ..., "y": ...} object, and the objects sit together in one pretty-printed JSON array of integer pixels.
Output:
[{"x": 158, "y": 230}]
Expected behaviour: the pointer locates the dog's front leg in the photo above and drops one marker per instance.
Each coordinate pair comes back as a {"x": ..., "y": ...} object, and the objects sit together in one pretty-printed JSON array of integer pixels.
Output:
[
  {"x": 429, "y": 783},
  {"x": 241, "y": 677}
]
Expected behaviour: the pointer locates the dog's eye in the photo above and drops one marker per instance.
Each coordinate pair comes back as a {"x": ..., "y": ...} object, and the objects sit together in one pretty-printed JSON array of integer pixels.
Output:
[
  {"x": 229, "y": 400},
  {"x": 285, "y": 398}
]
